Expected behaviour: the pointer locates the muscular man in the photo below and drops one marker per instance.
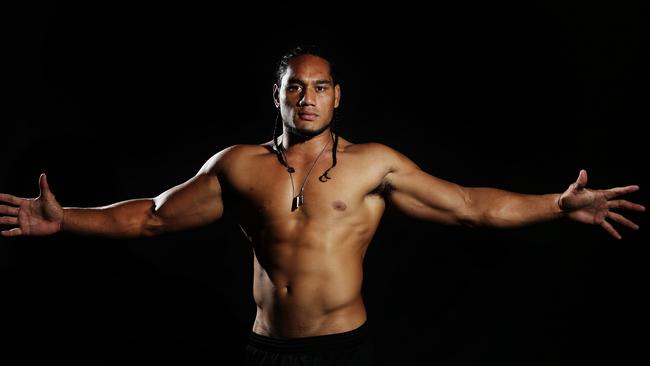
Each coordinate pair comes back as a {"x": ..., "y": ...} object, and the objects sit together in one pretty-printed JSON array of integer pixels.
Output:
[{"x": 310, "y": 201}]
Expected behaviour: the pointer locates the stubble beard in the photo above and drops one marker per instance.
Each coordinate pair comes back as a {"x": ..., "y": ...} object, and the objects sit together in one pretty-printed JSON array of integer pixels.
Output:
[{"x": 306, "y": 134}]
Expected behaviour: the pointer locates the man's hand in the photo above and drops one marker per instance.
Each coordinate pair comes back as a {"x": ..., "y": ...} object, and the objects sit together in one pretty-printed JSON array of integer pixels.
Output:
[
  {"x": 32, "y": 216},
  {"x": 594, "y": 206}
]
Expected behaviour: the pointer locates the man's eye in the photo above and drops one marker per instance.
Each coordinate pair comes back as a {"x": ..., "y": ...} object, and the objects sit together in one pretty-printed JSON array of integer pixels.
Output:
[
  {"x": 293, "y": 88},
  {"x": 321, "y": 88}
]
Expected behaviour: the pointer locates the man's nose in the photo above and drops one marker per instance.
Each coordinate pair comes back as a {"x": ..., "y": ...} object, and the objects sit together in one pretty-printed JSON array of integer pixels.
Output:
[{"x": 308, "y": 97}]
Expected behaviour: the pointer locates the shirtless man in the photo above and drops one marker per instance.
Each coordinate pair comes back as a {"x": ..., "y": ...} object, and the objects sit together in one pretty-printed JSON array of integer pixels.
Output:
[{"x": 310, "y": 202}]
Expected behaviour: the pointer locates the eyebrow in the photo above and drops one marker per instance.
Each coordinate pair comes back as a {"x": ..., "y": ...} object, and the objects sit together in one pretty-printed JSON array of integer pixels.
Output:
[{"x": 302, "y": 82}]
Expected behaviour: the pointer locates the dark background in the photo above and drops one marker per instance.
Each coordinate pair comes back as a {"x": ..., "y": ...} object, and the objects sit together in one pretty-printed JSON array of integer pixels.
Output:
[{"x": 116, "y": 101}]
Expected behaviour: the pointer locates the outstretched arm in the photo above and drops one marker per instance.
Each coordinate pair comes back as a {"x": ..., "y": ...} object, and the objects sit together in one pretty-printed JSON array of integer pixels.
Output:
[
  {"x": 191, "y": 204},
  {"x": 423, "y": 196}
]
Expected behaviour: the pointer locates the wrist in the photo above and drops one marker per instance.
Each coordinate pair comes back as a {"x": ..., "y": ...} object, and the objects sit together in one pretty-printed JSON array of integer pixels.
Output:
[
  {"x": 64, "y": 214},
  {"x": 558, "y": 204}
]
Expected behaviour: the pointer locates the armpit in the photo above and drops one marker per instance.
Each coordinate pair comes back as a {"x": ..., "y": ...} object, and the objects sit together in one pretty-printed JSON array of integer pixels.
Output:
[{"x": 382, "y": 189}]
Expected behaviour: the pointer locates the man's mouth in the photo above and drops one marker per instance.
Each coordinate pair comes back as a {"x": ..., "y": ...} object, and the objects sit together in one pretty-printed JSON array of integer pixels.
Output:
[{"x": 308, "y": 116}]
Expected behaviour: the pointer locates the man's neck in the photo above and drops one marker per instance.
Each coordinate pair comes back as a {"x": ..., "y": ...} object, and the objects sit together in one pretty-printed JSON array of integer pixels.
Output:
[{"x": 305, "y": 145}]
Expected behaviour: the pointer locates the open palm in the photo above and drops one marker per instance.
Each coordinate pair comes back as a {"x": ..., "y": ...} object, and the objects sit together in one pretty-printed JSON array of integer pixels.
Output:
[
  {"x": 594, "y": 207},
  {"x": 31, "y": 216}
]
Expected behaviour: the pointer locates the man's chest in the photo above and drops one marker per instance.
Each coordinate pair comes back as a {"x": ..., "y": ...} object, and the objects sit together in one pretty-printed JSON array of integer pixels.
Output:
[{"x": 266, "y": 188}]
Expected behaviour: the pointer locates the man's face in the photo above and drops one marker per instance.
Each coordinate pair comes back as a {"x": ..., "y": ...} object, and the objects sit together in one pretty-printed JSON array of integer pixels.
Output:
[{"x": 307, "y": 95}]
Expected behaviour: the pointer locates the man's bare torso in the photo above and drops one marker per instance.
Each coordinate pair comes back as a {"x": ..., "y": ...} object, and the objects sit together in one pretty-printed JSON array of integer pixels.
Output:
[{"x": 307, "y": 263}]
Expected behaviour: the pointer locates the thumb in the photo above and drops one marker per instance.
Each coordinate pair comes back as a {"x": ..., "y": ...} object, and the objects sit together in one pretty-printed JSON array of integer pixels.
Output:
[
  {"x": 582, "y": 179},
  {"x": 42, "y": 184}
]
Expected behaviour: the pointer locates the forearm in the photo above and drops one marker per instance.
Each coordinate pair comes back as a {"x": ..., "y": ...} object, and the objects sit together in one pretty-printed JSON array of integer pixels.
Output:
[
  {"x": 131, "y": 218},
  {"x": 503, "y": 209}
]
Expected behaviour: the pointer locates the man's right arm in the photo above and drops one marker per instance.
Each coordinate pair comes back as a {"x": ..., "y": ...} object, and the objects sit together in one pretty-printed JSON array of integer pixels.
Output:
[{"x": 191, "y": 204}]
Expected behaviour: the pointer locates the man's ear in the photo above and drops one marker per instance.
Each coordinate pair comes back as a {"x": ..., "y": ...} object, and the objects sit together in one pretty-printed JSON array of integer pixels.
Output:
[
  {"x": 276, "y": 95},
  {"x": 337, "y": 95}
]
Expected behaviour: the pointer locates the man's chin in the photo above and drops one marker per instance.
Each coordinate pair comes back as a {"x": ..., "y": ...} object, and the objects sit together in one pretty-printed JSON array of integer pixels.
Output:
[{"x": 306, "y": 133}]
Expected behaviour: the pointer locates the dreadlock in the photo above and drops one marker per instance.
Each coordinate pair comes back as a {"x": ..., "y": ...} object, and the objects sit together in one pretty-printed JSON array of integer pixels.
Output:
[{"x": 283, "y": 65}]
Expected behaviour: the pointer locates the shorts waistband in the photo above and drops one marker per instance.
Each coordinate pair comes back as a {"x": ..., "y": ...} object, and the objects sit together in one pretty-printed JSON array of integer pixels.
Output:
[{"x": 346, "y": 339}]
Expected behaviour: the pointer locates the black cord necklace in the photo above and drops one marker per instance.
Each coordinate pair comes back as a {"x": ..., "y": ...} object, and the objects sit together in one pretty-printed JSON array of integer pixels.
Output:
[{"x": 299, "y": 199}]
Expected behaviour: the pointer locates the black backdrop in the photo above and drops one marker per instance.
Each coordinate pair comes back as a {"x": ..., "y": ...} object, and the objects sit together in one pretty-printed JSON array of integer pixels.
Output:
[{"x": 121, "y": 100}]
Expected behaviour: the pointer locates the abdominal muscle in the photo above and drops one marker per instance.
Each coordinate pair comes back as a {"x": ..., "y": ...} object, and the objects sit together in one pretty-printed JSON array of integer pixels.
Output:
[{"x": 307, "y": 288}]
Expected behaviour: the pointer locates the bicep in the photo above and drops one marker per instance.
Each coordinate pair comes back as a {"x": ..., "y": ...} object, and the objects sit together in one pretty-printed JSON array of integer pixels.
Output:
[
  {"x": 423, "y": 196},
  {"x": 194, "y": 203}
]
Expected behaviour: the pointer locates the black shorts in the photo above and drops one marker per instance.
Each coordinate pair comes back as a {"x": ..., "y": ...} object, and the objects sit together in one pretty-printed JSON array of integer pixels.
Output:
[{"x": 354, "y": 347}]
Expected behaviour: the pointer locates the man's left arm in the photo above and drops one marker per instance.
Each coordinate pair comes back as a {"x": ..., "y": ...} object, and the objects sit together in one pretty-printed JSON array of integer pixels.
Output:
[{"x": 420, "y": 195}]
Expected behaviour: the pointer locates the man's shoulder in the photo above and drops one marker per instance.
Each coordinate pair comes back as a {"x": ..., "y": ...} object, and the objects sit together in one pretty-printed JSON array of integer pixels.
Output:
[
  {"x": 377, "y": 156},
  {"x": 372, "y": 149},
  {"x": 243, "y": 150},
  {"x": 231, "y": 155},
  {"x": 383, "y": 156}
]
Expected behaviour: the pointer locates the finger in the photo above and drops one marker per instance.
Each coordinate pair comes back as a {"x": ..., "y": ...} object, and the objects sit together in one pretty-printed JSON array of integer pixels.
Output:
[
  {"x": 622, "y": 220},
  {"x": 610, "y": 229},
  {"x": 8, "y": 220},
  {"x": 625, "y": 204},
  {"x": 13, "y": 232},
  {"x": 581, "y": 182},
  {"x": 10, "y": 199},
  {"x": 9, "y": 210},
  {"x": 613, "y": 192},
  {"x": 42, "y": 184}
]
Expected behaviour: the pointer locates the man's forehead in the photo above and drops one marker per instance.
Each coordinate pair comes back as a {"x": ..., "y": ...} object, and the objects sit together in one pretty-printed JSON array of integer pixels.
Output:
[{"x": 308, "y": 67}]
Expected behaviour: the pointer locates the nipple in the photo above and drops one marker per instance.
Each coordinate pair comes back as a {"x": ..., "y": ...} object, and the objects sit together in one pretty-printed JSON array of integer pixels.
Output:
[{"x": 339, "y": 205}]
